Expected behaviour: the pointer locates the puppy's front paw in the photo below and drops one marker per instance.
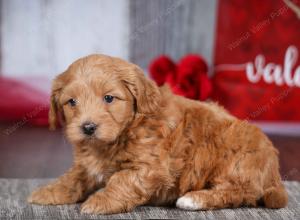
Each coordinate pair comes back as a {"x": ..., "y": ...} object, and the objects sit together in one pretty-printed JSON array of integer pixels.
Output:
[
  {"x": 52, "y": 195},
  {"x": 42, "y": 196},
  {"x": 100, "y": 204},
  {"x": 94, "y": 205}
]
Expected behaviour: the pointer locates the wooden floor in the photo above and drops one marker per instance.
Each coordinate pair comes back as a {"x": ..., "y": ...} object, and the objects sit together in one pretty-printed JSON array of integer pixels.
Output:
[{"x": 34, "y": 152}]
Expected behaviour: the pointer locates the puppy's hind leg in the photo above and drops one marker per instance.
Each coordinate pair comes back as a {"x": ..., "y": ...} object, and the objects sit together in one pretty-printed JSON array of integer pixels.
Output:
[{"x": 226, "y": 195}]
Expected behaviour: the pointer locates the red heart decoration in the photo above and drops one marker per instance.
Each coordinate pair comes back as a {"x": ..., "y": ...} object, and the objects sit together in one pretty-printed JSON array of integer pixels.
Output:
[{"x": 188, "y": 78}]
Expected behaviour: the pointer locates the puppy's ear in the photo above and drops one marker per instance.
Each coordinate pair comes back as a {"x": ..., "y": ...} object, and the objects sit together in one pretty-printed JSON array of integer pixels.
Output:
[
  {"x": 145, "y": 91},
  {"x": 52, "y": 112},
  {"x": 55, "y": 108}
]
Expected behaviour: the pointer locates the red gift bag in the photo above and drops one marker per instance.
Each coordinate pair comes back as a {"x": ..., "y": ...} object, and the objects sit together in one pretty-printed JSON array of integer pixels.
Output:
[{"x": 257, "y": 64}]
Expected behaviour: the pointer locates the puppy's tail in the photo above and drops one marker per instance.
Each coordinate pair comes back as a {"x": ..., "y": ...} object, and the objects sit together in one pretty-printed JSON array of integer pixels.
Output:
[{"x": 275, "y": 197}]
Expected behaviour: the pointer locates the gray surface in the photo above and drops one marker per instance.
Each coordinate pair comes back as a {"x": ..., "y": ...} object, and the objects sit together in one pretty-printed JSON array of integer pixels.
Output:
[{"x": 13, "y": 205}]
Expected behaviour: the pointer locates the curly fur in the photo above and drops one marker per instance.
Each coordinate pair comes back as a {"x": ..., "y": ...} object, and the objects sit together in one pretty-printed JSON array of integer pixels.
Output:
[{"x": 152, "y": 147}]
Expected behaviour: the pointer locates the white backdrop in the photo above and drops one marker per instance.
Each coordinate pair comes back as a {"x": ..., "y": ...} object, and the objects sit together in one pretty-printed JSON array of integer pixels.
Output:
[{"x": 44, "y": 37}]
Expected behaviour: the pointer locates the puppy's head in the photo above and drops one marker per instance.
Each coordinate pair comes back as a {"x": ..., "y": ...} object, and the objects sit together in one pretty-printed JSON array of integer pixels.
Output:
[{"x": 98, "y": 96}]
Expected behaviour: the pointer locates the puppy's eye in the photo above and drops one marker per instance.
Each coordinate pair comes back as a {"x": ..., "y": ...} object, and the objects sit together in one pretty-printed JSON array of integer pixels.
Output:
[
  {"x": 108, "y": 98},
  {"x": 72, "y": 102}
]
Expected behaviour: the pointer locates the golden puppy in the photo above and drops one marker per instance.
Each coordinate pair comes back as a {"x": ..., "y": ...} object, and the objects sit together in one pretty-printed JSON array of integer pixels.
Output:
[{"x": 143, "y": 145}]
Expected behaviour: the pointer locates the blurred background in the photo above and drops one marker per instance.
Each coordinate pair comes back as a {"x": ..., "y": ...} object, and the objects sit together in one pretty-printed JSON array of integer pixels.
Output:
[{"x": 242, "y": 54}]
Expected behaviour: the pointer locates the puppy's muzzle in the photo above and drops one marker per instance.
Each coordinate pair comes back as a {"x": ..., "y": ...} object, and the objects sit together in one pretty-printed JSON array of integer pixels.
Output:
[{"x": 89, "y": 128}]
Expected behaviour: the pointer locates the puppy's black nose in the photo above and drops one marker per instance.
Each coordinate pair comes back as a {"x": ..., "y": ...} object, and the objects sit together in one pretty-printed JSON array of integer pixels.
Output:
[{"x": 89, "y": 128}]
